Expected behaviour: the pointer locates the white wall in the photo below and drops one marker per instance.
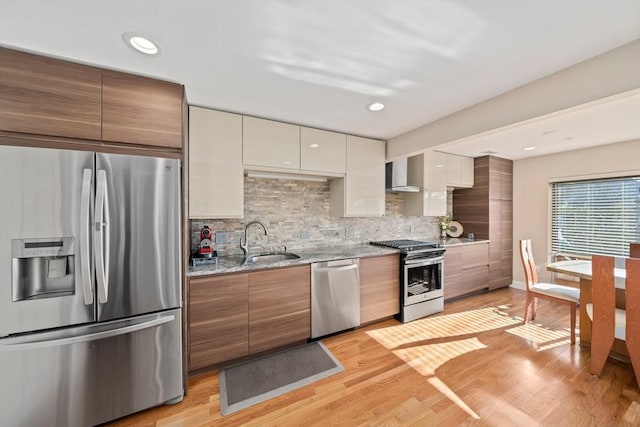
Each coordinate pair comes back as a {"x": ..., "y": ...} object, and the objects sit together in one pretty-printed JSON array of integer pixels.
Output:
[
  {"x": 611, "y": 73},
  {"x": 531, "y": 194}
]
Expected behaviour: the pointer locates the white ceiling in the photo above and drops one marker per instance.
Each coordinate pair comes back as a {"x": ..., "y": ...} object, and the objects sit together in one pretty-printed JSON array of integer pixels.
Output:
[{"x": 320, "y": 63}]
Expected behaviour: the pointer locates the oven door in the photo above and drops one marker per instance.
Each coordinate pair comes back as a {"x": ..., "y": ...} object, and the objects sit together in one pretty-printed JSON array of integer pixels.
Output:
[{"x": 422, "y": 279}]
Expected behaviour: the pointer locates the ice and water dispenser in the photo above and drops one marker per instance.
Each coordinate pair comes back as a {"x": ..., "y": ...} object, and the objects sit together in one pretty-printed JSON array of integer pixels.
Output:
[{"x": 42, "y": 268}]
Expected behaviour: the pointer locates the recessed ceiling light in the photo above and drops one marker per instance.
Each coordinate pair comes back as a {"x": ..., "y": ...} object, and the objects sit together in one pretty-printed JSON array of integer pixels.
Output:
[
  {"x": 287, "y": 162},
  {"x": 376, "y": 106},
  {"x": 439, "y": 166},
  {"x": 549, "y": 132},
  {"x": 141, "y": 43},
  {"x": 314, "y": 146},
  {"x": 529, "y": 148},
  {"x": 489, "y": 152}
]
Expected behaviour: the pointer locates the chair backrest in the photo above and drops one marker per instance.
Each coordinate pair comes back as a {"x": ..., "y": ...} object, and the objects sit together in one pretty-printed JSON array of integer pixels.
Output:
[
  {"x": 632, "y": 305},
  {"x": 528, "y": 264},
  {"x": 634, "y": 249},
  {"x": 603, "y": 293}
]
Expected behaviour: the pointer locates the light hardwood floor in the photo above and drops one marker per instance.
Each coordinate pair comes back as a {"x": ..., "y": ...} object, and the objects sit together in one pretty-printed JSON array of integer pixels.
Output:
[{"x": 473, "y": 364}]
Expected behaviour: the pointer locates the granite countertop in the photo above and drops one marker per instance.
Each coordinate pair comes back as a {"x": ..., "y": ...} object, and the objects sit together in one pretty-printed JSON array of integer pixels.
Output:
[
  {"x": 235, "y": 263},
  {"x": 457, "y": 241}
]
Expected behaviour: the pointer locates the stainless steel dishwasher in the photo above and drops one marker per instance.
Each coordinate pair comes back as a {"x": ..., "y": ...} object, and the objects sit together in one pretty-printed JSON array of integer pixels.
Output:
[{"x": 335, "y": 296}]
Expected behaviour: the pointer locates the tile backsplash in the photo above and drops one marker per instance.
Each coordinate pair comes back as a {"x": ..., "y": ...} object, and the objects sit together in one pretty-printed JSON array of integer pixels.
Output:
[{"x": 296, "y": 214}]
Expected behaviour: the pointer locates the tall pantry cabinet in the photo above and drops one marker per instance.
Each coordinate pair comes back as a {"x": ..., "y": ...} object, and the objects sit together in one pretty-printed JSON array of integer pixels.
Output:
[{"x": 487, "y": 211}]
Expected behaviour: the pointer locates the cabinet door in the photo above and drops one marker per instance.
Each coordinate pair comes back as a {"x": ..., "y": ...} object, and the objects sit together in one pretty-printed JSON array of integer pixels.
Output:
[
  {"x": 459, "y": 171},
  {"x": 140, "y": 110},
  {"x": 429, "y": 172},
  {"x": 279, "y": 307},
  {"x": 270, "y": 144},
  {"x": 46, "y": 96},
  {"x": 452, "y": 281},
  {"x": 364, "y": 193},
  {"x": 323, "y": 151},
  {"x": 379, "y": 287},
  {"x": 218, "y": 319},
  {"x": 216, "y": 175}
]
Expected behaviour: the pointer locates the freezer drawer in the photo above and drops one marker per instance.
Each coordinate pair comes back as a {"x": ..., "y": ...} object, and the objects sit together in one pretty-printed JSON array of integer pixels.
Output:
[{"x": 89, "y": 375}]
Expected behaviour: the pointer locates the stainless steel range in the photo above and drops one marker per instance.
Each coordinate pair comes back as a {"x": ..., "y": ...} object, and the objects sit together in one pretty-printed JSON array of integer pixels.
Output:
[{"x": 421, "y": 287}]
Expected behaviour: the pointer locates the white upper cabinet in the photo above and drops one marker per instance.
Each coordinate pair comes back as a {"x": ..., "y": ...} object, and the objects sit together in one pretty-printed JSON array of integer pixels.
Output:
[
  {"x": 427, "y": 170},
  {"x": 323, "y": 151},
  {"x": 216, "y": 175},
  {"x": 270, "y": 144},
  {"x": 361, "y": 192},
  {"x": 459, "y": 171}
]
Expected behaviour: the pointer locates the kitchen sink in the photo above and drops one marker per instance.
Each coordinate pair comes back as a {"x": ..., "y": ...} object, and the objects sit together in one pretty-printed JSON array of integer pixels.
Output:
[{"x": 270, "y": 258}]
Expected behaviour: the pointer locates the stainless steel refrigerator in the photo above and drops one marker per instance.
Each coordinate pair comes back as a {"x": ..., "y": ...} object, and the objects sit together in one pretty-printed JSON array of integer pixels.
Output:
[{"x": 90, "y": 293}]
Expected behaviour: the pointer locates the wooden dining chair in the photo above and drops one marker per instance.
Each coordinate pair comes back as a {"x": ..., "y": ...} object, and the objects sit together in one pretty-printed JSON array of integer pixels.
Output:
[
  {"x": 609, "y": 322},
  {"x": 536, "y": 290},
  {"x": 634, "y": 249}
]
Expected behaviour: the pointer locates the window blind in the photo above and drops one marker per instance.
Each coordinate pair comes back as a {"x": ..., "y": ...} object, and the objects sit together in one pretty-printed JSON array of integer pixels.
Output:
[{"x": 595, "y": 216}]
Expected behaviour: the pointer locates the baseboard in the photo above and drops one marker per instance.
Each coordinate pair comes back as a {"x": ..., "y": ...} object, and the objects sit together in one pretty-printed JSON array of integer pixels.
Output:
[{"x": 517, "y": 285}]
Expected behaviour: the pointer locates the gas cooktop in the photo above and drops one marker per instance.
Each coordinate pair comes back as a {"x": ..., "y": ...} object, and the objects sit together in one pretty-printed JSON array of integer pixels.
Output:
[{"x": 407, "y": 245}]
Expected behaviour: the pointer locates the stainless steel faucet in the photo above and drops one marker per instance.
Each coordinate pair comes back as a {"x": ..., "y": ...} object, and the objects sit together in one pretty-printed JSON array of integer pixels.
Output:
[{"x": 244, "y": 245}]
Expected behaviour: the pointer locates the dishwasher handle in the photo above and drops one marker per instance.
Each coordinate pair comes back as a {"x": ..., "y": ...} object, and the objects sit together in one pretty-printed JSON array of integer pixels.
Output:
[{"x": 337, "y": 268}]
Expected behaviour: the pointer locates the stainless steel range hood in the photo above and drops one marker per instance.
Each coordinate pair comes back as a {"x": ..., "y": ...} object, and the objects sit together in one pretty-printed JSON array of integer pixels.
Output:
[{"x": 396, "y": 178}]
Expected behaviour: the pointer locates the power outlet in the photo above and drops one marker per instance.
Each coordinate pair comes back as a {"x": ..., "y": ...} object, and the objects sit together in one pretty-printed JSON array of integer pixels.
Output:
[{"x": 221, "y": 237}]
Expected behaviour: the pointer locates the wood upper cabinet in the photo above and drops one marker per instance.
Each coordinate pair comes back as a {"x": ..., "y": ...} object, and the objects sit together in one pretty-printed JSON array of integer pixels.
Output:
[
  {"x": 379, "y": 287},
  {"x": 140, "y": 110},
  {"x": 487, "y": 211},
  {"x": 279, "y": 307},
  {"x": 46, "y": 96},
  {"x": 361, "y": 192},
  {"x": 270, "y": 144},
  {"x": 218, "y": 319},
  {"x": 216, "y": 174},
  {"x": 428, "y": 171},
  {"x": 466, "y": 269},
  {"x": 323, "y": 151}
]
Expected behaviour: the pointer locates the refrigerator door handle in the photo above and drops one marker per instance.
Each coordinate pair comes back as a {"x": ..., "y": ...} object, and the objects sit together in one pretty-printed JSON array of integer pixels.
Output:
[
  {"x": 36, "y": 345},
  {"x": 101, "y": 243},
  {"x": 85, "y": 214}
]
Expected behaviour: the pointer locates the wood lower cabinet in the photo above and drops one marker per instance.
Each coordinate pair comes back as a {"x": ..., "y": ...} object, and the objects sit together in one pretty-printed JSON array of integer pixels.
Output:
[
  {"x": 466, "y": 269},
  {"x": 46, "y": 96},
  {"x": 379, "y": 287},
  {"x": 140, "y": 110},
  {"x": 279, "y": 307},
  {"x": 219, "y": 317},
  {"x": 235, "y": 315}
]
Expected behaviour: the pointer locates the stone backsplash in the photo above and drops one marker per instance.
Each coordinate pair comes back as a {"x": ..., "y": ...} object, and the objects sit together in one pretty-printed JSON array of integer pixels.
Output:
[{"x": 296, "y": 214}]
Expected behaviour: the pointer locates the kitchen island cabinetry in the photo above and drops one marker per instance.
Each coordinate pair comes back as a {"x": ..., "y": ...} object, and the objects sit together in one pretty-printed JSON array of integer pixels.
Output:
[
  {"x": 216, "y": 174},
  {"x": 466, "y": 269},
  {"x": 379, "y": 287},
  {"x": 219, "y": 318},
  {"x": 361, "y": 192},
  {"x": 279, "y": 307},
  {"x": 46, "y": 96},
  {"x": 140, "y": 110}
]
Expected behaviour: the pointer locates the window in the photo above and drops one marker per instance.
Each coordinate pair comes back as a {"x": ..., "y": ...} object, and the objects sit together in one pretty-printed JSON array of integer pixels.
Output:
[{"x": 595, "y": 216}]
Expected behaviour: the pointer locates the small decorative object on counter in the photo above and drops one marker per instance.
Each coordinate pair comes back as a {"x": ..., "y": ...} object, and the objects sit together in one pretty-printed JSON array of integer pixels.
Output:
[
  {"x": 445, "y": 223},
  {"x": 455, "y": 229}
]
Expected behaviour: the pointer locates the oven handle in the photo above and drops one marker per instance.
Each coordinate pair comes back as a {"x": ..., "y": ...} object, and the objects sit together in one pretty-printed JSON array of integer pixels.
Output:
[{"x": 424, "y": 261}]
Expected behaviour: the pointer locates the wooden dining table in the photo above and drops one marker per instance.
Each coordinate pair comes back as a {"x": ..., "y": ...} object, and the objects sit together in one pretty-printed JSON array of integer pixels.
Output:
[{"x": 582, "y": 270}]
